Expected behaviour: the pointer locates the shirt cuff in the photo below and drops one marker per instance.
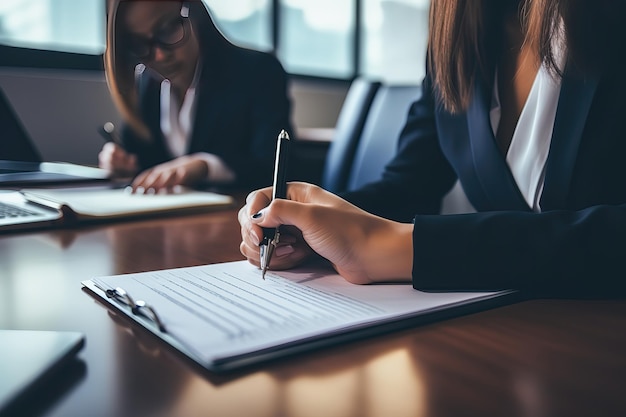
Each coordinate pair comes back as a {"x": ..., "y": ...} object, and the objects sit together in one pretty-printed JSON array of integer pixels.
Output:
[{"x": 219, "y": 172}]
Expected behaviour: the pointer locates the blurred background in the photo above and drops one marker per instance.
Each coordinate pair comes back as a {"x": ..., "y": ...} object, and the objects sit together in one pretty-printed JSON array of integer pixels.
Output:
[{"x": 57, "y": 46}]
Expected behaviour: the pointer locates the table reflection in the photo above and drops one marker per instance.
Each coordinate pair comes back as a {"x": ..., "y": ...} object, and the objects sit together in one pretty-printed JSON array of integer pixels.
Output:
[{"x": 384, "y": 381}]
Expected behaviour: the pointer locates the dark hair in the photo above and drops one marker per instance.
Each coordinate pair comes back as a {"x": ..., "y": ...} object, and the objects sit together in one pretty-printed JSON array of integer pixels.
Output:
[{"x": 465, "y": 35}]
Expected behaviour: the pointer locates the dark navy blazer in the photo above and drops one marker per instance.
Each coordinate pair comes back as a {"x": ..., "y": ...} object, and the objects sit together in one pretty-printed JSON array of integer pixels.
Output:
[
  {"x": 242, "y": 105},
  {"x": 575, "y": 243}
]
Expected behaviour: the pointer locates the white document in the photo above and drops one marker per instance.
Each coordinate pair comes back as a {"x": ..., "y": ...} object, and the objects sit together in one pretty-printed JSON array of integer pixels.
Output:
[{"x": 221, "y": 313}]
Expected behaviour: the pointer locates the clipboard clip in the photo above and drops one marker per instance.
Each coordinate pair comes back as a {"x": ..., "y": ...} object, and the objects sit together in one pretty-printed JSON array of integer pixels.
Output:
[{"x": 139, "y": 307}]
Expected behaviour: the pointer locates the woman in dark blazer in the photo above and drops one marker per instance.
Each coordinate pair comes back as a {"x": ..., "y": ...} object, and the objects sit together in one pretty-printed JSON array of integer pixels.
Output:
[
  {"x": 559, "y": 226},
  {"x": 218, "y": 114}
]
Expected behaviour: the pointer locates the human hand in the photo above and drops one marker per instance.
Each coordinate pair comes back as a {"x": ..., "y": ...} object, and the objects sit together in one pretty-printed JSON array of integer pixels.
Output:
[
  {"x": 363, "y": 248},
  {"x": 184, "y": 170},
  {"x": 117, "y": 161}
]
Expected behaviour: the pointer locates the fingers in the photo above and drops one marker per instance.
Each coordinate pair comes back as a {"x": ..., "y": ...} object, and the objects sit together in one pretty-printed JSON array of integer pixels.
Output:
[
  {"x": 155, "y": 180},
  {"x": 257, "y": 200},
  {"x": 309, "y": 193},
  {"x": 284, "y": 212},
  {"x": 291, "y": 250},
  {"x": 116, "y": 160},
  {"x": 258, "y": 212},
  {"x": 168, "y": 176},
  {"x": 251, "y": 234}
]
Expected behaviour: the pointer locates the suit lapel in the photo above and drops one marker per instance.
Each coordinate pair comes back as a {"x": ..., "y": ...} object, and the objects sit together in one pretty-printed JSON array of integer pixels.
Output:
[
  {"x": 491, "y": 168},
  {"x": 207, "y": 114},
  {"x": 574, "y": 103},
  {"x": 214, "y": 89}
]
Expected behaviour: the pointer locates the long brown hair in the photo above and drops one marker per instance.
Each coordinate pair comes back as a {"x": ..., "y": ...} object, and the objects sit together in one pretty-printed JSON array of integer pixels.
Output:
[
  {"x": 119, "y": 70},
  {"x": 465, "y": 35}
]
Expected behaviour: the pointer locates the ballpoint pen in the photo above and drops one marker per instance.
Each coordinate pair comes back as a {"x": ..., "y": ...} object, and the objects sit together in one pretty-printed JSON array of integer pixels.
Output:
[
  {"x": 271, "y": 237},
  {"x": 109, "y": 134}
]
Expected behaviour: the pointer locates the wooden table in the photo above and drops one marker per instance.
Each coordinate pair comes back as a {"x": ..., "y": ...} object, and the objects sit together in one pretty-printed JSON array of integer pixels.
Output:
[{"x": 533, "y": 358}]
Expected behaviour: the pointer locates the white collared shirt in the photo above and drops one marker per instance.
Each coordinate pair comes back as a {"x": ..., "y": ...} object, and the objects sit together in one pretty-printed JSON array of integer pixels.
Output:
[
  {"x": 177, "y": 124},
  {"x": 528, "y": 151}
]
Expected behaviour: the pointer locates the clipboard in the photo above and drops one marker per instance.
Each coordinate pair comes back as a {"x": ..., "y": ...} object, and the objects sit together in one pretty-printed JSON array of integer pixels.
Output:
[{"x": 225, "y": 317}]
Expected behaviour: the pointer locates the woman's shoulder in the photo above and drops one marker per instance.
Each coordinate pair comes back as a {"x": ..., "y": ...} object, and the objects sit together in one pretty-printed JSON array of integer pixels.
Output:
[
  {"x": 256, "y": 60},
  {"x": 241, "y": 64}
]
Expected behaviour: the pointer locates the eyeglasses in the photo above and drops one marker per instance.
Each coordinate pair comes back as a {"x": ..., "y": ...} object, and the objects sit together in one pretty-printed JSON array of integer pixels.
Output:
[{"x": 169, "y": 36}]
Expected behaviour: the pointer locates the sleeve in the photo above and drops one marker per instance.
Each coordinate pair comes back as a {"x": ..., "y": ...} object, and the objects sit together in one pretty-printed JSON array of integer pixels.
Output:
[
  {"x": 270, "y": 113},
  {"x": 556, "y": 252},
  {"x": 147, "y": 151},
  {"x": 219, "y": 172},
  {"x": 419, "y": 175}
]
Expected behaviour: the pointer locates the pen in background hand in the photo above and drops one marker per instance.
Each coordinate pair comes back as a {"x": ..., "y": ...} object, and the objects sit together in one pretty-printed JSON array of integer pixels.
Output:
[
  {"x": 271, "y": 237},
  {"x": 108, "y": 132}
]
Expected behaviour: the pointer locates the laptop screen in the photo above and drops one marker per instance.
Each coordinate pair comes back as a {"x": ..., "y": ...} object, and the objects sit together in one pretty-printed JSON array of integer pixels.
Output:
[
  {"x": 62, "y": 111},
  {"x": 15, "y": 144},
  {"x": 21, "y": 163}
]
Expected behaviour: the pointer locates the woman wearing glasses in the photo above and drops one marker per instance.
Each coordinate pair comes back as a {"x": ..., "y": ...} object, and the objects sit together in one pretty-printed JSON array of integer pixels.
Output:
[{"x": 197, "y": 108}]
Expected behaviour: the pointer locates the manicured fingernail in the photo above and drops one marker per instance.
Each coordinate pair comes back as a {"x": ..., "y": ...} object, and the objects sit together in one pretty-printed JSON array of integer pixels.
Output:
[
  {"x": 284, "y": 250},
  {"x": 257, "y": 215}
]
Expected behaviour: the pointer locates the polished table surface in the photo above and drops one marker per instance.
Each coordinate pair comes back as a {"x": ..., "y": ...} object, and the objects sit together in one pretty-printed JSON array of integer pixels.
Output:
[{"x": 532, "y": 358}]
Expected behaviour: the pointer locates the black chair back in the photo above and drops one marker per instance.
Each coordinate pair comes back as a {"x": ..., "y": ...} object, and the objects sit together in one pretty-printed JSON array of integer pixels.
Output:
[
  {"x": 348, "y": 131},
  {"x": 378, "y": 142}
]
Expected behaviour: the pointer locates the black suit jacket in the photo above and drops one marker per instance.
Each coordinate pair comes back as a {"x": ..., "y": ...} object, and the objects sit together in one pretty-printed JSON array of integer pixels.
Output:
[
  {"x": 577, "y": 241},
  {"x": 242, "y": 105}
]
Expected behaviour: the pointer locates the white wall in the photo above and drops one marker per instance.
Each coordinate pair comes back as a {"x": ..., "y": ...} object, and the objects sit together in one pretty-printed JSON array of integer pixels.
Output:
[{"x": 316, "y": 103}]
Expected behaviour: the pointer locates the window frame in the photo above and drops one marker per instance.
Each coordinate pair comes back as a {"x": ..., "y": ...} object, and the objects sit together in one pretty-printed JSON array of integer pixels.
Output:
[{"x": 13, "y": 56}]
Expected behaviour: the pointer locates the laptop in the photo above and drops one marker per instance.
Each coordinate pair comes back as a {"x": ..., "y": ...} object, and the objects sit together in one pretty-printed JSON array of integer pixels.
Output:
[
  {"x": 62, "y": 110},
  {"x": 21, "y": 163},
  {"x": 18, "y": 213},
  {"x": 30, "y": 359}
]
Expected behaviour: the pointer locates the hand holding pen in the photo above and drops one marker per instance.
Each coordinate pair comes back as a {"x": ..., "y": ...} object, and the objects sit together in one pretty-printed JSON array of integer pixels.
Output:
[
  {"x": 113, "y": 157},
  {"x": 271, "y": 237},
  {"x": 109, "y": 134}
]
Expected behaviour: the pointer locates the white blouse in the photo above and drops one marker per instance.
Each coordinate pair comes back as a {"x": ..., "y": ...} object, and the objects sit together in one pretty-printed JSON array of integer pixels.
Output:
[
  {"x": 528, "y": 152},
  {"x": 177, "y": 124}
]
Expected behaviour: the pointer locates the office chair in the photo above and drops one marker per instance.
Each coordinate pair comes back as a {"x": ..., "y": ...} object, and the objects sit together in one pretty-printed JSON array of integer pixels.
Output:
[
  {"x": 360, "y": 155},
  {"x": 378, "y": 141},
  {"x": 350, "y": 122}
]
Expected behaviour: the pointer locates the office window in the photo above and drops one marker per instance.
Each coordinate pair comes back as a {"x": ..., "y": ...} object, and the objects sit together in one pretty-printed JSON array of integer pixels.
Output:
[
  {"x": 58, "y": 25},
  {"x": 322, "y": 38},
  {"x": 244, "y": 22},
  {"x": 394, "y": 36},
  {"x": 316, "y": 37}
]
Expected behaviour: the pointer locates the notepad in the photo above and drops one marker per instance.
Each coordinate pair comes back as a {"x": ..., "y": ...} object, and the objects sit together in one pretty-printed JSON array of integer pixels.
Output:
[
  {"x": 100, "y": 203},
  {"x": 225, "y": 316}
]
